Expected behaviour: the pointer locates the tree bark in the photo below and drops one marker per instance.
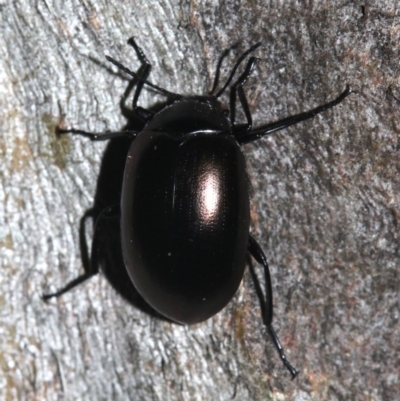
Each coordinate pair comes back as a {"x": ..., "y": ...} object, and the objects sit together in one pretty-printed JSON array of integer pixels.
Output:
[{"x": 325, "y": 201}]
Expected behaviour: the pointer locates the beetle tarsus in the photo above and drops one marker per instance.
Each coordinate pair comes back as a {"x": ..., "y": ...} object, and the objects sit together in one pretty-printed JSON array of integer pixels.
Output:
[
  {"x": 282, "y": 354},
  {"x": 72, "y": 284}
]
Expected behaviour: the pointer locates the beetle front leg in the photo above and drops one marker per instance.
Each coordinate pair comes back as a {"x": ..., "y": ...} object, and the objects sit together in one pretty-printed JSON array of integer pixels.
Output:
[
  {"x": 266, "y": 301},
  {"x": 252, "y": 135}
]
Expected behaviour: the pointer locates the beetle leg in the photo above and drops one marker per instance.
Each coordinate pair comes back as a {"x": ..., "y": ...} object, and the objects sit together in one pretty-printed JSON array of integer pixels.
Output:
[
  {"x": 266, "y": 301},
  {"x": 91, "y": 266},
  {"x": 253, "y": 135},
  {"x": 97, "y": 136},
  {"x": 142, "y": 113}
]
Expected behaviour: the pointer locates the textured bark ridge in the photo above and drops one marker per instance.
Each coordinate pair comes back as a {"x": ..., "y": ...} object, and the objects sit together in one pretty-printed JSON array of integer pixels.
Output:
[{"x": 325, "y": 204}]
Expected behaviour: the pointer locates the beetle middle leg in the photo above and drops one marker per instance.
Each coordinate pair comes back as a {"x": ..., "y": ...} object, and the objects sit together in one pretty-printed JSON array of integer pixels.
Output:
[
  {"x": 266, "y": 300},
  {"x": 91, "y": 266}
]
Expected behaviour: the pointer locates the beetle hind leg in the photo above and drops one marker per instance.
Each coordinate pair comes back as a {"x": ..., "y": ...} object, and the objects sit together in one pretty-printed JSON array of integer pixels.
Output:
[
  {"x": 91, "y": 265},
  {"x": 266, "y": 300}
]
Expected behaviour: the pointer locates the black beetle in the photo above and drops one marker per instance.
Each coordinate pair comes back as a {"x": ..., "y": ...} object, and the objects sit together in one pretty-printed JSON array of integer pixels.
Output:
[{"x": 185, "y": 205}]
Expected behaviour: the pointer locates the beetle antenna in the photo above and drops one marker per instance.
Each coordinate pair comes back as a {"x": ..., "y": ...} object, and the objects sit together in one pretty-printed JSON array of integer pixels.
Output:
[
  {"x": 218, "y": 70},
  {"x": 133, "y": 74},
  {"x": 241, "y": 58}
]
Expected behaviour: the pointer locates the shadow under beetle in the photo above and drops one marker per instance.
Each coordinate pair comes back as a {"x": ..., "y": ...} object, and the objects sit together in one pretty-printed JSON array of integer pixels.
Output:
[{"x": 185, "y": 207}]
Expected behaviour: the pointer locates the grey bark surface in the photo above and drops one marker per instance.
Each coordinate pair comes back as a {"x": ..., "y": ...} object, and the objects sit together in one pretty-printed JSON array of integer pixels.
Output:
[{"x": 325, "y": 205}]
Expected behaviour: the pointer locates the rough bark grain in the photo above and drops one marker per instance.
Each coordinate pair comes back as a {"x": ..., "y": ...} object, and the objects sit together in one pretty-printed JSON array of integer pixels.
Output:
[{"x": 326, "y": 203}]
